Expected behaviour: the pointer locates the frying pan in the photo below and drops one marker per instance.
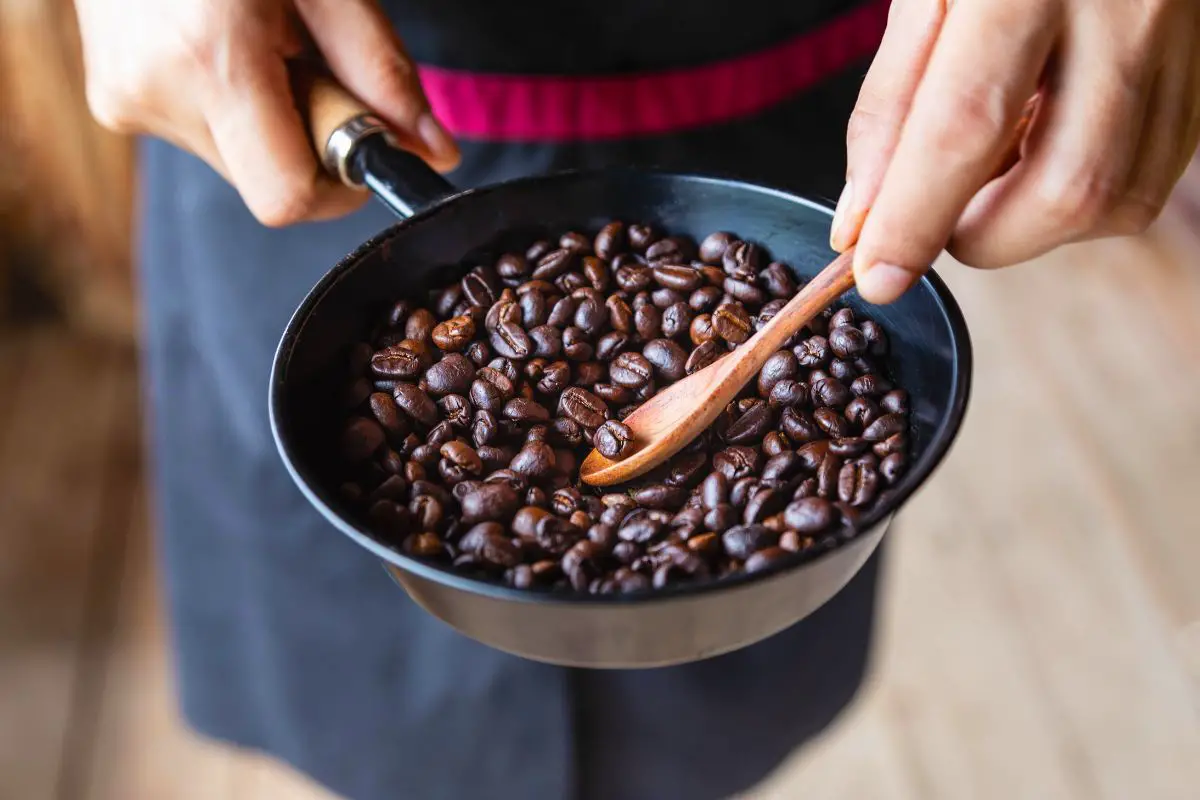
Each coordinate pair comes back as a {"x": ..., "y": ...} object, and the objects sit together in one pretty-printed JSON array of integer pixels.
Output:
[{"x": 441, "y": 234}]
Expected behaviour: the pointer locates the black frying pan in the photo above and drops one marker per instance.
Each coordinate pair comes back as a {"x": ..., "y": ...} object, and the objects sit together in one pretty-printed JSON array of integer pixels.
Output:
[{"x": 442, "y": 233}]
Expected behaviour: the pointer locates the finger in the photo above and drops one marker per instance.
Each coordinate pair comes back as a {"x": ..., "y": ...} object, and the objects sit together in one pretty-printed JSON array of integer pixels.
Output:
[
  {"x": 883, "y": 103},
  {"x": 1168, "y": 138},
  {"x": 1079, "y": 161},
  {"x": 264, "y": 145},
  {"x": 367, "y": 56},
  {"x": 986, "y": 64}
]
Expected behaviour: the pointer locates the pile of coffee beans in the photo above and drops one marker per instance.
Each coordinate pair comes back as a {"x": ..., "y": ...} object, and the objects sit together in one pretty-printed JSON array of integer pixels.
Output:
[{"x": 470, "y": 413}]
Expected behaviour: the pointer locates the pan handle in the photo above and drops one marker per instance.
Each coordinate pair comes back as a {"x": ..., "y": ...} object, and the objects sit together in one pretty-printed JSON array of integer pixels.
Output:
[{"x": 357, "y": 148}]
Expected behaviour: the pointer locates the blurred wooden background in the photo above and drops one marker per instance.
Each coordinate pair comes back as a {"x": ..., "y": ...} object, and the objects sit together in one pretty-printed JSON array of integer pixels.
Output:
[{"x": 66, "y": 185}]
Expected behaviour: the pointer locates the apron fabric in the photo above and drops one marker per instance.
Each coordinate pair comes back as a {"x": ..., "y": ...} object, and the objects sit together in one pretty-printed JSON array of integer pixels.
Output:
[{"x": 290, "y": 639}]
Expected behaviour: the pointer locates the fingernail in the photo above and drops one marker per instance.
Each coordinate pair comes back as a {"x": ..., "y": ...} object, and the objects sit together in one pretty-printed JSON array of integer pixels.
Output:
[
  {"x": 836, "y": 234},
  {"x": 440, "y": 143},
  {"x": 882, "y": 282}
]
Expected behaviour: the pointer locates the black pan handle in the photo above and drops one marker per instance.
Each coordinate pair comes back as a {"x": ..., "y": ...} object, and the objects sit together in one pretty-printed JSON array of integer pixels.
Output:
[{"x": 357, "y": 149}]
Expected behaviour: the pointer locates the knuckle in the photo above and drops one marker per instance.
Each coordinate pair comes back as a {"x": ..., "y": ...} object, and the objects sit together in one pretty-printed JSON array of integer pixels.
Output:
[
  {"x": 1078, "y": 200},
  {"x": 970, "y": 122},
  {"x": 290, "y": 202},
  {"x": 864, "y": 120}
]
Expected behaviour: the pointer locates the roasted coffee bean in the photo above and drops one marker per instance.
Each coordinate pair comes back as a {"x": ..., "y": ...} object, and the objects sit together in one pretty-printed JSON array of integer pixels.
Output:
[
  {"x": 387, "y": 414},
  {"x": 647, "y": 321},
  {"x": 631, "y": 370},
  {"x": 590, "y": 316},
  {"x": 672, "y": 249},
  {"x": 799, "y": 426},
  {"x": 633, "y": 277},
  {"x": 895, "y": 402},
  {"x": 419, "y": 325},
  {"x": 660, "y": 496},
  {"x": 736, "y": 462},
  {"x": 831, "y": 423},
  {"x": 869, "y": 385},
  {"x": 641, "y": 237},
  {"x": 896, "y": 443},
  {"x": 893, "y": 467},
  {"x": 360, "y": 439},
  {"x": 610, "y": 241},
  {"x": 511, "y": 341},
  {"x": 452, "y": 375},
  {"x": 676, "y": 321},
  {"x": 456, "y": 409},
  {"x": 611, "y": 345},
  {"x": 575, "y": 242},
  {"x": 885, "y": 426},
  {"x": 810, "y": 515},
  {"x": 731, "y": 323},
  {"x": 402, "y": 361},
  {"x": 525, "y": 412},
  {"x": 744, "y": 291},
  {"x": 667, "y": 357},
  {"x": 812, "y": 454},
  {"x": 703, "y": 356},
  {"x": 415, "y": 403},
  {"x": 583, "y": 407},
  {"x": 620, "y": 315},
  {"x": 547, "y": 341},
  {"x": 503, "y": 311},
  {"x": 595, "y": 271},
  {"x": 477, "y": 291},
  {"x": 534, "y": 461},
  {"x": 613, "y": 439},
  {"x": 489, "y": 502},
  {"x": 827, "y": 475},
  {"x": 788, "y": 393},
  {"x": 742, "y": 255},
  {"x": 857, "y": 484},
  {"x": 778, "y": 280},
  {"x": 813, "y": 352},
  {"x": 512, "y": 266},
  {"x": 678, "y": 277},
  {"x": 842, "y": 370},
  {"x": 861, "y": 411},
  {"x": 702, "y": 330},
  {"x": 556, "y": 376},
  {"x": 553, "y": 264},
  {"x": 454, "y": 334},
  {"x": 742, "y": 541},
  {"x": 779, "y": 366},
  {"x": 829, "y": 392},
  {"x": 576, "y": 346},
  {"x": 752, "y": 426},
  {"x": 775, "y": 443},
  {"x": 849, "y": 446},
  {"x": 781, "y": 467},
  {"x": 764, "y": 558},
  {"x": 763, "y": 503},
  {"x": 488, "y": 543}
]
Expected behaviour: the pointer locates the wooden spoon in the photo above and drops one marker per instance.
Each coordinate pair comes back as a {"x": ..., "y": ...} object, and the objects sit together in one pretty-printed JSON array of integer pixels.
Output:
[{"x": 668, "y": 421}]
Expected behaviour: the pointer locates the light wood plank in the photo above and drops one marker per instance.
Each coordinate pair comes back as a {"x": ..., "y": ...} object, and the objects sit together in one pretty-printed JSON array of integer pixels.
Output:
[{"x": 52, "y": 453}]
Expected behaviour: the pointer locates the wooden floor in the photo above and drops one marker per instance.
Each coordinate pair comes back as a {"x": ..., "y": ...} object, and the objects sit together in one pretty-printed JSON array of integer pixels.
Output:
[{"x": 1042, "y": 635}]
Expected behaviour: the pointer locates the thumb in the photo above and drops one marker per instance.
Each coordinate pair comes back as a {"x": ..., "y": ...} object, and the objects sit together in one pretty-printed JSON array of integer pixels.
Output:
[{"x": 368, "y": 58}]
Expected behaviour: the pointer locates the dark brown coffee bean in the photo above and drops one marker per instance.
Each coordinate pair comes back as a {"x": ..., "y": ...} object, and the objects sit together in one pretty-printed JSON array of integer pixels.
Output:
[
  {"x": 840, "y": 317},
  {"x": 799, "y": 426},
  {"x": 582, "y": 406},
  {"x": 525, "y": 412},
  {"x": 704, "y": 355},
  {"x": 742, "y": 255},
  {"x": 563, "y": 313},
  {"x": 555, "y": 377},
  {"x": 678, "y": 277},
  {"x": 844, "y": 371},
  {"x": 714, "y": 490},
  {"x": 360, "y": 439},
  {"x": 763, "y": 503},
  {"x": 667, "y": 357},
  {"x": 631, "y": 370},
  {"x": 402, "y": 361},
  {"x": 829, "y": 392},
  {"x": 547, "y": 341},
  {"x": 610, "y": 241},
  {"x": 813, "y": 352},
  {"x": 764, "y": 558},
  {"x": 633, "y": 277},
  {"x": 490, "y": 502},
  {"x": 647, "y": 321},
  {"x": 736, "y": 462},
  {"x": 742, "y": 541},
  {"x": 510, "y": 341},
  {"x": 877, "y": 340},
  {"x": 620, "y": 315},
  {"x": 639, "y": 527},
  {"x": 858, "y": 484},
  {"x": 895, "y": 402},
  {"x": 896, "y": 443},
  {"x": 827, "y": 476},
  {"x": 781, "y": 467},
  {"x": 456, "y": 410},
  {"x": 504, "y": 311},
  {"x": 419, "y": 325},
  {"x": 454, "y": 334},
  {"x": 885, "y": 426},
  {"x": 535, "y": 460},
  {"x": 596, "y": 272},
  {"x": 810, "y": 515},
  {"x": 861, "y": 411},
  {"x": 452, "y": 375},
  {"x": 893, "y": 467},
  {"x": 744, "y": 291},
  {"x": 590, "y": 316},
  {"x": 575, "y": 242},
  {"x": 477, "y": 291},
  {"x": 613, "y": 439},
  {"x": 611, "y": 345},
  {"x": 741, "y": 490},
  {"x": 849, "y": 446},
  {"x": 778, "y": 280},
  {"x": 869, "y": 385},
  {"x": 641, "y": 237},
  {"x": 847, "y": 341},
  {"x": 485, "y": 396},
  {"x": 775, "y": 443},
  {"x": 512, "y": 266},
  {"x": 788, "y": 393},
  {"x": 702, "y": 330},
  {"x": 779, "y": 366},
  {"x": 488, "y": 543},
  {"x": 731, "y": 323},
  {"x": 676, "y": 321},
  {"x": 812, "y": 454},
  {"x": 672, "y": 249},
  {"x": 752, "y": 426},
  {"x": 612, "y": 393},
  {"x": 576, "y": 346},
  {"x": 553, "y": 264},
  {"x": 832, "y": 423},
  {"x": 462, "y": 455},
  {"x": 415, "y": 403},
  {"x": 383, "y": 407}
]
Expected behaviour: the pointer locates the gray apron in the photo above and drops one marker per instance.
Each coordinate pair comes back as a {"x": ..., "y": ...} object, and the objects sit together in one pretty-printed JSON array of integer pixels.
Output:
[{"x": 290, "y": 639}]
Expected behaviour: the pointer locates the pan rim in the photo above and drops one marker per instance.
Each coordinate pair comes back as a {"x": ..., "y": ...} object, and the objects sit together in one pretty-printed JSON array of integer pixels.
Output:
[{"x": 931, "y": 458}]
